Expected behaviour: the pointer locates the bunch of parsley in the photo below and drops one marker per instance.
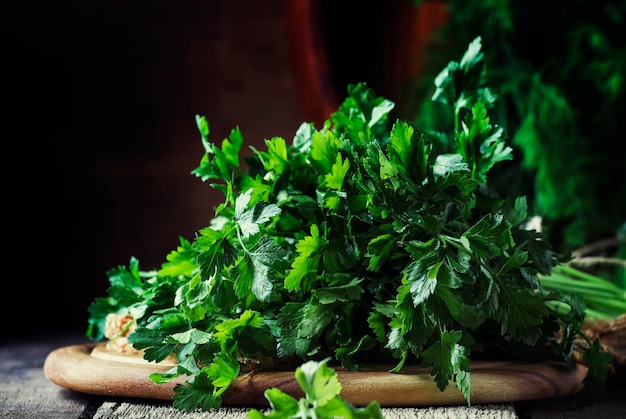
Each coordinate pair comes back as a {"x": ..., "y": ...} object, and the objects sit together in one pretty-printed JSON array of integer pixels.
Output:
[{"x": 363, "y": 241}]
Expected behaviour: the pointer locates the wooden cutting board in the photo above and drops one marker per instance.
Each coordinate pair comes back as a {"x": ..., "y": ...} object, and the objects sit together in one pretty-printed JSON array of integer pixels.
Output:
[{"x": 94, "y": 370}]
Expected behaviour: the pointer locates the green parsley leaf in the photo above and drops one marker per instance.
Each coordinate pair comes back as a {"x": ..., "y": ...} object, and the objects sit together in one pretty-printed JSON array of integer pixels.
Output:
[{"x": 321, "y": 399}]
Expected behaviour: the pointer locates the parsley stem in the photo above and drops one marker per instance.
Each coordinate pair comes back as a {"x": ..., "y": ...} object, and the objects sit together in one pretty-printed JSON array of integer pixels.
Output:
[
  {"x": 243, "y": 245},
  {"x": 603, "y": 299},
  {"x": 608, "y": 303},
  {"x": 561, "y": 309},
  {"x": 569, "y": 285},
  {"x": 582, "y": 275}
]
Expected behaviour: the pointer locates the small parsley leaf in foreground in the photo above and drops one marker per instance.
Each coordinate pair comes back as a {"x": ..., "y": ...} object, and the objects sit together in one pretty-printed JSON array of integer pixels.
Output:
[{"x": 321, "y": 400}]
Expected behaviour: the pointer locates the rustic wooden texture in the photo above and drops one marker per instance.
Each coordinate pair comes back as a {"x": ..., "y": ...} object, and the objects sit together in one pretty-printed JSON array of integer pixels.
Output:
[
  {"x": 80, "y": 368},
  {"x": 26, "y": 393},
  {"x": 126, "y": 410}
]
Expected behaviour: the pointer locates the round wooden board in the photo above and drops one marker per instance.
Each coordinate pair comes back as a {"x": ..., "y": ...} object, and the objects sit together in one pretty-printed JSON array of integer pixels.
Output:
[{"x": 94, "y": 370}]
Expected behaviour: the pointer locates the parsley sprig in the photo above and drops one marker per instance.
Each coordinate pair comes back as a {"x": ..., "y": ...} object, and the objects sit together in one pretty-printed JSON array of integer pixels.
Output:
[
  {"x": 364, "y": 241},
  {"x": 321, "y": 387}
]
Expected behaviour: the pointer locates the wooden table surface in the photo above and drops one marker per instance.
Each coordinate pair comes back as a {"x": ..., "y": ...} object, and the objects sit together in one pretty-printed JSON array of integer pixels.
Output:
[{"x": 26, "y": 393}]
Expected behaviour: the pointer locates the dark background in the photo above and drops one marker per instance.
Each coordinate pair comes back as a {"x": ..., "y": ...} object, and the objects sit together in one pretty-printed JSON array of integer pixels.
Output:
[
  {"x": 99, "y": 136},
  {"x": 99, "y": 105}
]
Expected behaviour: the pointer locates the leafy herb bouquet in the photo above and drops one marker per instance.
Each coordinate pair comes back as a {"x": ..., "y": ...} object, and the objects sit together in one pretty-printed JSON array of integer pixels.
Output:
[{"x": 365, "y": 241}]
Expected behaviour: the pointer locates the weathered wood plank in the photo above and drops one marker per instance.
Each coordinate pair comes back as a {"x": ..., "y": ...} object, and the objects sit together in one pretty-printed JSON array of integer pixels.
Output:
[{"x": 149, "y": 411}]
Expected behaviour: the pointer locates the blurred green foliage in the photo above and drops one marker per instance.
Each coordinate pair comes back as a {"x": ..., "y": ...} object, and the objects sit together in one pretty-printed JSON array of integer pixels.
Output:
[{"x": 560, "y": 72}]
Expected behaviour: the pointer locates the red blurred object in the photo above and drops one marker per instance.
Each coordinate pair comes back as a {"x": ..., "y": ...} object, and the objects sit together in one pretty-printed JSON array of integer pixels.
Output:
[
  {"x": 310, "y": 64},
  {"x": 407, "y": 37}
]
